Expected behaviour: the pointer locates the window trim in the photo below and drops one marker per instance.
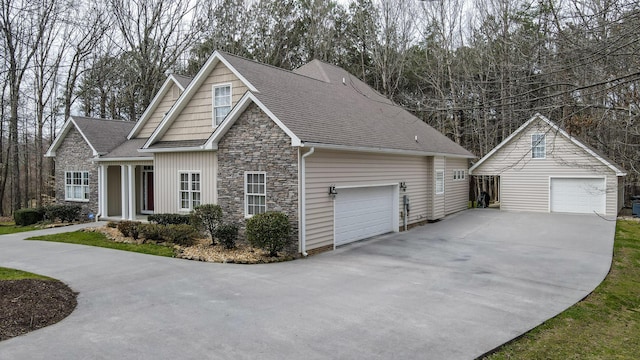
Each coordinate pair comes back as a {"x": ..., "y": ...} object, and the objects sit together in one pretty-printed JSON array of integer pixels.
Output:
[
  {"x": 538, "y": 144},
  {"x": 189, "y": 191},
  {"x": 439, "y": 189},
  {"x": 213, "y": 101},
  {"x": 86, "y": 192},
  {"x": 459, "y": 174},
  {"x": 247, "y": 194}
]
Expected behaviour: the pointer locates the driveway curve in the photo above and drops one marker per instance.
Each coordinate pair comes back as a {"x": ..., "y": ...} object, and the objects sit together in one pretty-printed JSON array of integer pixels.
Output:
[{"x": 454, "y": 289}]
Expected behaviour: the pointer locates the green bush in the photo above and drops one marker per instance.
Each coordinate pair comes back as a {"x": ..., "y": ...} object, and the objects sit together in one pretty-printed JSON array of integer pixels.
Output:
[
  {"x": 151, "y": 231},
  {"x": 112, "y": 224},
  {"x": 169, "y": 219},
  {"x": 129, "y": 228},
  {"x": 207, "y": 217},
  {"x": 180, "y": 234},
  {"x": 24, "y": 217},
  {"x": 227, "y": 234},
  {"x": 64, "y": 213},
  {"x": 269, "y": 231}
]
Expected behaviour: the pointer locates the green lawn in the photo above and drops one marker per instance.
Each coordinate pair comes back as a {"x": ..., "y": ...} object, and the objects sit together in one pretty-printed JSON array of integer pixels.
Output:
[
  {"x": 605, "y": 325},
  {"x": 100, "y": 240},
  {"x": 12, "y": 274},
  {"x": 11, "y": 228}
]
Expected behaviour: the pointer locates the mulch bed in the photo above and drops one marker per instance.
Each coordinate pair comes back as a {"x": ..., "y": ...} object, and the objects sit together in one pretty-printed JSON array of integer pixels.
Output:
[{"x": 30, "y": 304}]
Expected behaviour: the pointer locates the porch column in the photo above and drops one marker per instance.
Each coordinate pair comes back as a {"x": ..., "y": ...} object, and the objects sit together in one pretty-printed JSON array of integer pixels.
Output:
[
  {"x": 123, "y": 186},
  {"x": 102, "y": 191},
  {"x": 131, "y": 190}
]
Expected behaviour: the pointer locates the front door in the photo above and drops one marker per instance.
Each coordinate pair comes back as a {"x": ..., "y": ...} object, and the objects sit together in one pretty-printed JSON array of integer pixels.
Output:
[{"x": 147, "y": 190}]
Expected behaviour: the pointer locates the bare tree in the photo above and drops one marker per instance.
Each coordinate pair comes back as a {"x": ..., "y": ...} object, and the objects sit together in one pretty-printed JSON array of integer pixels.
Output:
[{"x": 23, "y": 25}]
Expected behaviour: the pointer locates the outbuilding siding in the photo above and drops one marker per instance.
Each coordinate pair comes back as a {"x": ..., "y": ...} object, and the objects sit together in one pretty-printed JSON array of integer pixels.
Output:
[{"x": 524, "y": 181}]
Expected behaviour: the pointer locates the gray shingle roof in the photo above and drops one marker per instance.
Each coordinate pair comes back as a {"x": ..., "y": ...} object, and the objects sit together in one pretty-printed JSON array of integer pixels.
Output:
[
  {"x": 176, "y": 144},
  {"x": 317, "y": 106},
  {"x": 103, "y": 135},
  {"x": 183, "y": 80},
  {"x": 129, "y": 148}
]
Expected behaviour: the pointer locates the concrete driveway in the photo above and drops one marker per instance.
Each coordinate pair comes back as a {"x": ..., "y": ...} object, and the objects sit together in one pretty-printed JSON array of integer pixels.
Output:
[{"x": 449, "y": 290}]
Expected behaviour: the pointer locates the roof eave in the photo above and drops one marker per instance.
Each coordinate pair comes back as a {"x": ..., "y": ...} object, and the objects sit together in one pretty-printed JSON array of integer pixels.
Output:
[
  {"x": 137, "y": 158},
  {"x": 384, "y": 150},
  {"x": 175, "y": 149}
]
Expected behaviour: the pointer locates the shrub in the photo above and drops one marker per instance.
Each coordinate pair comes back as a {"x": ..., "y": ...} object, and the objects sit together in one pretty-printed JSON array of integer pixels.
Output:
[
  {"x": 151, "y": 231},
  {"x": 169, "y": 219},
  {"x": 180, "y": 234},
  {"x": 64, "y": 213},
  {"x": 227, "y": 235},
  {"x": 24, "y": 217},
  {"x": 129, "y": 228},
  {"x": 112, "y": 224},
  {"x": 207, "y": 217},
  {"x": 269, "y": 231}
]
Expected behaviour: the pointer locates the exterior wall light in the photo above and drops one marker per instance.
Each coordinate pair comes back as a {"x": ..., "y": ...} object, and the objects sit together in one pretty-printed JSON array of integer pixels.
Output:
[
  {"x": 332, "y": 191},
  {"x": 403, "y": 186}
]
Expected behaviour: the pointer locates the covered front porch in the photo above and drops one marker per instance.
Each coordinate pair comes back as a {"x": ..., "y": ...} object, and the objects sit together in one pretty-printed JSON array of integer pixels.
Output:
[{"x": 125, "y": 190}]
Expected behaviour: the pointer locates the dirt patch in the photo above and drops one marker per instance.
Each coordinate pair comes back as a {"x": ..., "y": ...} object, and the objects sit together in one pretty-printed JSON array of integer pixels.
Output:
[{"x": 30, "y": 304}]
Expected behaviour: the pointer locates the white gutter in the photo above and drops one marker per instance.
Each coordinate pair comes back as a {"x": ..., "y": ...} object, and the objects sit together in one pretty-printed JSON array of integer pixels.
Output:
[
  {"x": 385, "y": 150},
  {"x": 303, "y": 204}
]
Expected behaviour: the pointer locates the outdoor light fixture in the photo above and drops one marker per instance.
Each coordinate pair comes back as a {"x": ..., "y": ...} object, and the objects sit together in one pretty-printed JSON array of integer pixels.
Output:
[
  {"x": 332, "y": 191},
  {"x": 403, "y": 186}
]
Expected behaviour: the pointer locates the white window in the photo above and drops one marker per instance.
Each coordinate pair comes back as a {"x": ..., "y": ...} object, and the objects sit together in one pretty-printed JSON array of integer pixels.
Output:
[
  {"x": 459, "y": 174},
  {"x": 76, "y": 185},
  {"x": 255, "y": 193},
  {"x": 538, "y": 146},
  {"x": 221, "y": 103},
  {"x": 439, "y": 182},
  {"x": 189, "y": 190}
]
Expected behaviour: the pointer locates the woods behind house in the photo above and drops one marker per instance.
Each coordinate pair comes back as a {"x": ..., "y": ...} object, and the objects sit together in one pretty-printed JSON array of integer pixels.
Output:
[{"x": 475, "y": 71}]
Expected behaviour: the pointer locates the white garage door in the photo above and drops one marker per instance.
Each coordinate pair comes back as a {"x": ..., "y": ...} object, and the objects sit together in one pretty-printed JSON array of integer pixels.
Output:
[
  {"x": 578, "y": 195},
  {"x": 363, "y": 212}
]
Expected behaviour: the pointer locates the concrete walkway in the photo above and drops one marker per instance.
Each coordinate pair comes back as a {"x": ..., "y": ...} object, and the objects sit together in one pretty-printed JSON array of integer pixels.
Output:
[{"x": 449, "y": 290}]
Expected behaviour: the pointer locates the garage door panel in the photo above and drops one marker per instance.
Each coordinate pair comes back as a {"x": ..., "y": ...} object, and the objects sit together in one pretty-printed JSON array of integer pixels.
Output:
[
  {"x": 578, "y": 195},
  {"x": 363, "y": 212}
]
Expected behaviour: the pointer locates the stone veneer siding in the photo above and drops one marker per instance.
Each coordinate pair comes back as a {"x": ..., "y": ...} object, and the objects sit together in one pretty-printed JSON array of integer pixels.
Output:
[
  {"x": 256, "y": 143},
  {"x": 74, "y": 154}
]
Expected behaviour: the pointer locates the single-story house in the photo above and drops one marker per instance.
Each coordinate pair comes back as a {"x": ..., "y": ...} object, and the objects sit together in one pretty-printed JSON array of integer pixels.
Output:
[
  {"x": 543, "y": 168},
  {"x": 315, "y": 143}
]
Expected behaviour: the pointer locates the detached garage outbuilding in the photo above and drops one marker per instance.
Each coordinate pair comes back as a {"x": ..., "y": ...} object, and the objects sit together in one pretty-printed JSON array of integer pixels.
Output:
[{"x": 540, "y": 167}]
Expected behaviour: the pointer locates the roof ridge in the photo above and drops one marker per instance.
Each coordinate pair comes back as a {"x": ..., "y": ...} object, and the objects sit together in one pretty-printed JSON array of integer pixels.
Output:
[
  {"x": 78, "y": 117},
  {"x": 273, "y": 66}
]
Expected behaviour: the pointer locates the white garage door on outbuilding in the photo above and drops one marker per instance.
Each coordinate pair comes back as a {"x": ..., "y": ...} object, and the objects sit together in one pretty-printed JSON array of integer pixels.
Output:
[
  {"x": 362, "y": 212},
  {"x": 578, "y": 195}
]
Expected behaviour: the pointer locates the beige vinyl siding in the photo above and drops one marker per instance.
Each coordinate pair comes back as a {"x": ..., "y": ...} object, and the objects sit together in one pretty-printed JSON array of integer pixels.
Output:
[
  {"x": 325, "y": 168},
  {"x": 163, "y": 107},
  {"x": 456, "y": 191},
  {"x": 195, "y": 121},
  {"x": 430, "y": 177},
  {"x": 167, "y": 167},
  {"x": 524, "y": 181},
  {"x": 438, "y": 199}
]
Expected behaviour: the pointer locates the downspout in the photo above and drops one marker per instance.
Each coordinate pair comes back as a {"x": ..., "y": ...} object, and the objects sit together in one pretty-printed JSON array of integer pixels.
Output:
[{"x": 303, "y": 204}]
